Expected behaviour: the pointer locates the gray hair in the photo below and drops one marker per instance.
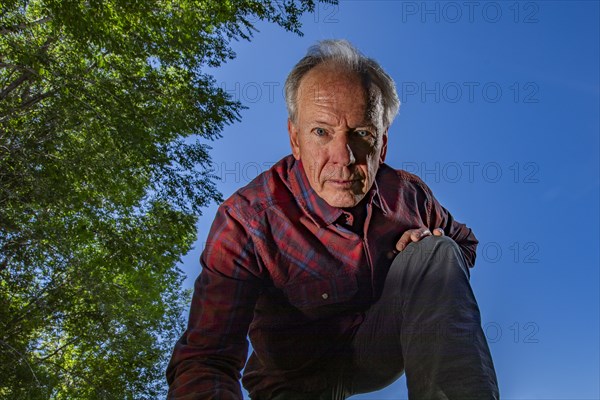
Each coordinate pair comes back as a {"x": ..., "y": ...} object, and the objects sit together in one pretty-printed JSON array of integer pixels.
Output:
[{"x": 342, "y": 53}]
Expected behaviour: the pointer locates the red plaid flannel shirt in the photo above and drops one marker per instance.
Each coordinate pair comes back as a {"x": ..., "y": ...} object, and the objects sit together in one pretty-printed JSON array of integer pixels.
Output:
[{"x": 295, "y": 275}]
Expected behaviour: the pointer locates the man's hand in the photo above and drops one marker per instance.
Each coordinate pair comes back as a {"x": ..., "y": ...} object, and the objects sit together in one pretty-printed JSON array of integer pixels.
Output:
[{"x": 414, "y": 235}]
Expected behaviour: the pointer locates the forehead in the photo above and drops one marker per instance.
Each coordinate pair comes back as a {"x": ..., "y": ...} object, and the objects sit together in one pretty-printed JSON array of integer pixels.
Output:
[
  {"x": 329, "y": 88},
  {"x": 331, "y": 82}
]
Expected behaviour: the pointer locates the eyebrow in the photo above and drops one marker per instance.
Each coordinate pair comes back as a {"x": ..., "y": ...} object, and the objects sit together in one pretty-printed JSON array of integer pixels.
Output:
[
  {"x": 362, "y": 124},
  {"x": 321, "y": 122}
]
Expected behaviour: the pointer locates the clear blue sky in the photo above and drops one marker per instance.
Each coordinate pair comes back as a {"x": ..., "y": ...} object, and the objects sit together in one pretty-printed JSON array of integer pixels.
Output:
[{"x": 500, "y": 117}]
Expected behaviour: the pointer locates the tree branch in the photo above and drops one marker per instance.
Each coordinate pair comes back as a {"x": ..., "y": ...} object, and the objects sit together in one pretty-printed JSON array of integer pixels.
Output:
[
  {"x": 24, "y": 76},
  {"x": 19, "y": 27},
  {"x": 22, "y": 358},
  {"x": 69, "y": 342}
]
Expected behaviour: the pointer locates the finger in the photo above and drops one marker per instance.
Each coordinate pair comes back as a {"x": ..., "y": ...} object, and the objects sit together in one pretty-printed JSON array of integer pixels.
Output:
[
  {"x": 419, "y": 234},
  {"x": 404, "y": 240},
  {"x": 412, "y": 235},
  {"x": 438, "y": 232}
]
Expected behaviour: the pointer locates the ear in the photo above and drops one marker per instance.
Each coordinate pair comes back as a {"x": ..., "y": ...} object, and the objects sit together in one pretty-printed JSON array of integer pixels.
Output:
[
  {"x": 294, "y": 143},
  {"x": 383, "y": 147}
]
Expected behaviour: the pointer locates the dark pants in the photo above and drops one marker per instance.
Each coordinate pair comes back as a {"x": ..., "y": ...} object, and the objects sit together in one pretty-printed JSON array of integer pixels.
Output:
[{"x": 425, "y": 324}]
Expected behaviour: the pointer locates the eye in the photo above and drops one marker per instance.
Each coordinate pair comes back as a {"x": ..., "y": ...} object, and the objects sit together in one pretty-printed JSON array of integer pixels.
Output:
[
  {"x": 319, "y": 131},
  {"x": 362, "y": 133}
]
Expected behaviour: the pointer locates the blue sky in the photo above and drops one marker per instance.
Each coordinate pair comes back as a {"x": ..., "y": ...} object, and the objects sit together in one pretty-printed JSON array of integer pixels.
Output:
[{"x": 500, "y": 117}]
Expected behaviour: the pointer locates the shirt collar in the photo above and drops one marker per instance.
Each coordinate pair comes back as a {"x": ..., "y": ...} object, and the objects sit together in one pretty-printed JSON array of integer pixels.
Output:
[
  {"x": 376, "y": 198},
  {"x": 319, "y": 211}
]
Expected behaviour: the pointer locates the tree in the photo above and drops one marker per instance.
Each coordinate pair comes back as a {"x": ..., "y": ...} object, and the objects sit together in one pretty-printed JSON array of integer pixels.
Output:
[{"x": 104, "y": 116}]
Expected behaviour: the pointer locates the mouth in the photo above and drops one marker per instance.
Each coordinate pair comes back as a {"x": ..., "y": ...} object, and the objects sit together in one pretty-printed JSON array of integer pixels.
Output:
[{"x": 343, "y": 183}]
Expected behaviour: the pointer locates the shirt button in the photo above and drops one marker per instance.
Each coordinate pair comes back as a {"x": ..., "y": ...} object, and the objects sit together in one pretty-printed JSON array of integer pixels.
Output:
[{"x": 325, "y": 296}]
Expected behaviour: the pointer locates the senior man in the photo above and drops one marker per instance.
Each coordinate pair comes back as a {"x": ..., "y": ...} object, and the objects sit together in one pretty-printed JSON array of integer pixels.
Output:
[{"x": 344, "y": 272}]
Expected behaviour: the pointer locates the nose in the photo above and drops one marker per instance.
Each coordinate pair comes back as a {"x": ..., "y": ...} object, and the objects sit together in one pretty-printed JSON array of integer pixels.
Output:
[{"x": 340, "y": 152}]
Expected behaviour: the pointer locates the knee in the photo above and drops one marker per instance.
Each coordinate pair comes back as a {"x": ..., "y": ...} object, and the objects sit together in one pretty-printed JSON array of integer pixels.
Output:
[
  {"x": 436, "y": 252},
  {"x": 437, "y": 241},
  {"x": 434, "y": 245}
]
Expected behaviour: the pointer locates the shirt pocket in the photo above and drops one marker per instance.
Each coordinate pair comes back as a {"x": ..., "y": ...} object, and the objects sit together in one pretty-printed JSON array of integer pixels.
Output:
[{"x": 321, "y": 293}]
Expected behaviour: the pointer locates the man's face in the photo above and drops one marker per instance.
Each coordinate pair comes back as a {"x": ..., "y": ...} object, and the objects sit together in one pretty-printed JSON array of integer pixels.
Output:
[{"x": 338, "y": 134}]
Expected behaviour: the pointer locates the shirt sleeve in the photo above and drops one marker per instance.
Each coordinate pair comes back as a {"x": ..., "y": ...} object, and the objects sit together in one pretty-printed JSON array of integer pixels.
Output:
[
  {"x": 207, "y": 360},
  {"x": 439, "y": 217}
]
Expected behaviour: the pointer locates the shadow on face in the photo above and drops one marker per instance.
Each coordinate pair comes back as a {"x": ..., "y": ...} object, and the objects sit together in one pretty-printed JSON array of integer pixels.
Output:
[{"x": 338, "y": 133}]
